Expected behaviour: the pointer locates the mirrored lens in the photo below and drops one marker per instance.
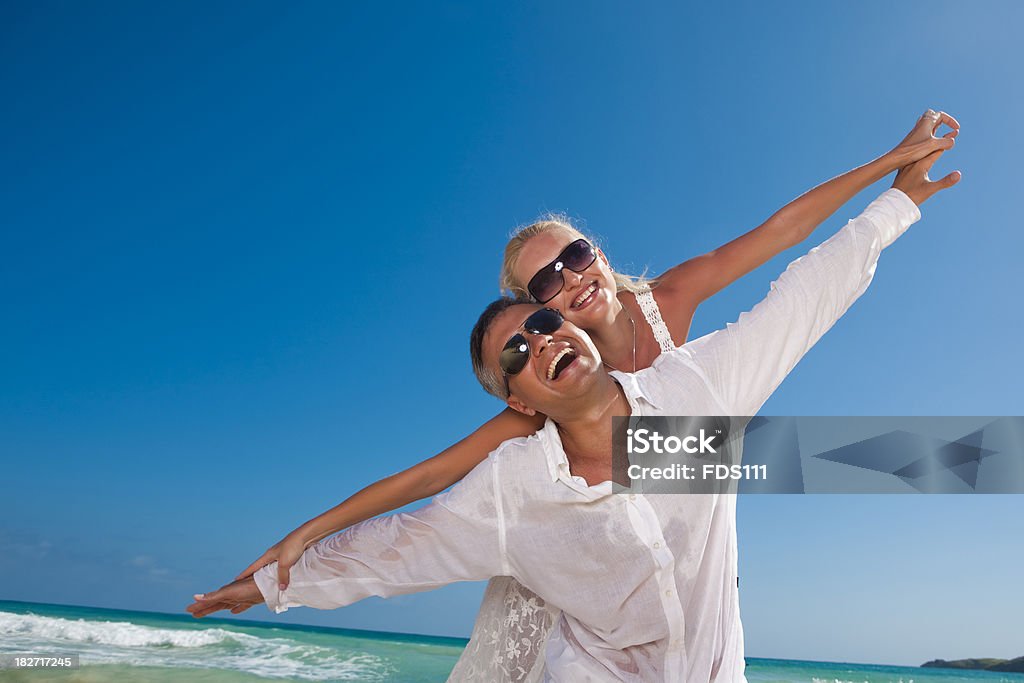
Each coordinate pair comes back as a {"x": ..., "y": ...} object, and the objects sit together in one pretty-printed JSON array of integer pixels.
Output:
[
  {"x": 544, "y": 321},
  {"x": 514, "y": 356}
]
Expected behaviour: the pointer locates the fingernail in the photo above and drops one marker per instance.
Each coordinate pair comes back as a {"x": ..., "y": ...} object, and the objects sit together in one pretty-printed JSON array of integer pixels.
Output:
[
  {"x": 282, "y": 586},
  {"x": 199, "y": 596}
]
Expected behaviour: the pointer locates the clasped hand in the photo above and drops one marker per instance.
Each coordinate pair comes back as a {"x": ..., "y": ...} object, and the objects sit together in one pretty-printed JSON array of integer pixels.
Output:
[{"x": 919, "y": 151}]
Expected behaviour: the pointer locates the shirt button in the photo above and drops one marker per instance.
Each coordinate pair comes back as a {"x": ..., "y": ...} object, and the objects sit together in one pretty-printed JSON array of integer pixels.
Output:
[
  {"x": 632, "y": 497},
  {"x": 668, "y": 593},
  {"x": 657, "y": 546}
]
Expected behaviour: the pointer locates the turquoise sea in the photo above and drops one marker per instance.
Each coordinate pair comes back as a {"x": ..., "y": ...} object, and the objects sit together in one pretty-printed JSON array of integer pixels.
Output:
[{"x": 117, "y": 646}]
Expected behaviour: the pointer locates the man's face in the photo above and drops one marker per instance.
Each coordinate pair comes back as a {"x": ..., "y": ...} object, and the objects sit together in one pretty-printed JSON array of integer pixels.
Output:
[{"x": 562, "y": 365}]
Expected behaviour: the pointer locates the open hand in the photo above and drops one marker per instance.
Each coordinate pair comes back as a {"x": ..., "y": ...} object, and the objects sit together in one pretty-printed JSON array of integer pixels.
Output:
[
  {"x": 237, "y": 597},
  {"x": 913, "y": 179},
  {"x": 285, "y": 552}
]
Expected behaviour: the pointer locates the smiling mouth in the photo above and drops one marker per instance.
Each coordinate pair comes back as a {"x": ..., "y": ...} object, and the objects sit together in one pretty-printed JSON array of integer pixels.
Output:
[
  {"x": 584, "y": 295},
  {"x": 560, "y": 362}
]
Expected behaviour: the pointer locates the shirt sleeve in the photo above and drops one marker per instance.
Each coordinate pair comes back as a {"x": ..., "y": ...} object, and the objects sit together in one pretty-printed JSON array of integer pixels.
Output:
[
  {"x": 746, "y": 362},
  {"x": 454, "y": 538}
]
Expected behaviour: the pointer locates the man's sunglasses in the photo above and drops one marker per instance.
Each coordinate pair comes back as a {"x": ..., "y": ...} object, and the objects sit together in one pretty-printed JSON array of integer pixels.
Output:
[
  {"x": 549, "y": 280},
  {"x": 516, "y": 353}
]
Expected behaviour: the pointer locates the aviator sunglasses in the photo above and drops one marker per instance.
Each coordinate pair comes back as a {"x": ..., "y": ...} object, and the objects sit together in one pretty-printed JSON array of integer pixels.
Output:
[
  {"x": 516, "y": 353},
  {"x": 549, "y": 280}
]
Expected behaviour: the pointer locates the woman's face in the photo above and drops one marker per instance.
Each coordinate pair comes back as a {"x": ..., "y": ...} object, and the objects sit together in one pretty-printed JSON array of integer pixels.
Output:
[{"x": 586, "y": 299}]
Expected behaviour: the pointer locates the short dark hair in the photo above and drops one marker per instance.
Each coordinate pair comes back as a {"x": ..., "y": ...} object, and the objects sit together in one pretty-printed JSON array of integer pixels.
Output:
[{"x": 492, "y": 383}]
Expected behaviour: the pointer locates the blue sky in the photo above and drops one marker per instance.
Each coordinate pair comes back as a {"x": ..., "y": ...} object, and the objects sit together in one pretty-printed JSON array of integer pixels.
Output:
[{"x": 244, "y": 244}]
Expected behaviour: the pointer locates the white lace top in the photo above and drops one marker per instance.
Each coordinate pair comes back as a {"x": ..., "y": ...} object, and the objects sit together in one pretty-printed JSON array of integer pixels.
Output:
[{"x": 645, "y": 299}]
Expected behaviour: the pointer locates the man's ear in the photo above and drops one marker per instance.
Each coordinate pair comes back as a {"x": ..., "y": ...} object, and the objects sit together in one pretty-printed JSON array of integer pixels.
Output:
[{"x": 515, "y": 404}]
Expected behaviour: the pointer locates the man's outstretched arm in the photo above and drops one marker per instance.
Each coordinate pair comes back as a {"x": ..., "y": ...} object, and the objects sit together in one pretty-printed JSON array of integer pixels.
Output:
[{"x": 457, "y": 537}]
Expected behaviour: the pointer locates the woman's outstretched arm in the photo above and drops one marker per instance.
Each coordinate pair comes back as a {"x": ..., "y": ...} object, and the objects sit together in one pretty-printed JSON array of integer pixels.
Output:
[
  {"x": 691, "y": 282},
  {"x": 420, "y": 481}
]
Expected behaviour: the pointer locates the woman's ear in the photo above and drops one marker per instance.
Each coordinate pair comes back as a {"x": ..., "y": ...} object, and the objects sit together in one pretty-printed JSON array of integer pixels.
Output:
[
  {"x": 515, "y": 404},
  {"x": 604, "y": 258}
]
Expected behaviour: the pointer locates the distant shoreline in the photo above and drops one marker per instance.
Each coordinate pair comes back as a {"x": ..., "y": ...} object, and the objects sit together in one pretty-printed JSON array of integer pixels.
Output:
[{"x": 996, "y": 665}]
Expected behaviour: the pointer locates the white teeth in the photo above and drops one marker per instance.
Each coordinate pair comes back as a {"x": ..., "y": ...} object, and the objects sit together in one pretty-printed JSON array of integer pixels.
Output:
[
  {"x": 585, "y": 293},
  {"x": 554, "y": 361}
]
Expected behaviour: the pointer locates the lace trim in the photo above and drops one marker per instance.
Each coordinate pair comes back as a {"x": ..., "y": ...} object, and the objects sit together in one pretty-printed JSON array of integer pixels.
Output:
[
  {"x": 645, "y": 299},
  {"x": 508, "y": 637}
]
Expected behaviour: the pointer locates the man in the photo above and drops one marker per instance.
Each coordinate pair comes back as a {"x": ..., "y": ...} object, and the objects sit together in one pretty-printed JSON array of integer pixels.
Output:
[{"x": 646, "y": 585}]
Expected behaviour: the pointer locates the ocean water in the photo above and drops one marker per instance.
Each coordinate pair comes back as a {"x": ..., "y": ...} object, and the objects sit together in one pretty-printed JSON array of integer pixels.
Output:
[{"x": 117, "y": 646}]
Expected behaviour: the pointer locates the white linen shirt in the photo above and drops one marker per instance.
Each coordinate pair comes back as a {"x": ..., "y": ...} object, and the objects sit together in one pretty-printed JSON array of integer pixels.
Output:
[{"x": 646, "y": 584}]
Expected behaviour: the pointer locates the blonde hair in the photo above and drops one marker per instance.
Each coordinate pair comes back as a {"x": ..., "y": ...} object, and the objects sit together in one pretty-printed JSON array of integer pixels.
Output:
[{"x": 549, "y": 223}]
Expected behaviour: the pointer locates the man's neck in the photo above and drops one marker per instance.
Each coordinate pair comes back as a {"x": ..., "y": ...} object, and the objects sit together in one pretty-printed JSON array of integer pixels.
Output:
[{"x": 587, "y": 435}]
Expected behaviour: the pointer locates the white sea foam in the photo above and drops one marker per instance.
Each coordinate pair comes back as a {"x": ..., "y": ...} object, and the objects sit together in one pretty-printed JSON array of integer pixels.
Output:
[
  {"x": 121, "y": 642},
  {"x": 121, "y": 633}
]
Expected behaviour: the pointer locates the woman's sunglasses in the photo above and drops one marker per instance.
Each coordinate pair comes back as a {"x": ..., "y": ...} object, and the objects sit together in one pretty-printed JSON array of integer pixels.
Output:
[
  {"x": 516, "y": 353},
  {"x": 549, "y": 280}
]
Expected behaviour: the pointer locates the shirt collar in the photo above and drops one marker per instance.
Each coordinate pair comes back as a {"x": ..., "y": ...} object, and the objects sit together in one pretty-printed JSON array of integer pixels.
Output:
[
  {"x": 554, "y": 454},
  {"x": 633, "y": 387}
]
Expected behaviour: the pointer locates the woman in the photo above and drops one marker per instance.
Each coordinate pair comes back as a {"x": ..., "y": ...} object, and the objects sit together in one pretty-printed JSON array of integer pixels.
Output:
[{"x": 556, "y": 265}]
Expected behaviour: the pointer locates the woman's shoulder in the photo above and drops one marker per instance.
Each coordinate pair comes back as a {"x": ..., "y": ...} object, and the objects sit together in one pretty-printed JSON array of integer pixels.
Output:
[
  {"x": 668, "y": 313},
  {"x": 649, "y": 307}
]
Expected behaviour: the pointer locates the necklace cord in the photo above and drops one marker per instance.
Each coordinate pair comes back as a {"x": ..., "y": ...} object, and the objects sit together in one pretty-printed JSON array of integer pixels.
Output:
[{"x": 633, "y": 324}]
